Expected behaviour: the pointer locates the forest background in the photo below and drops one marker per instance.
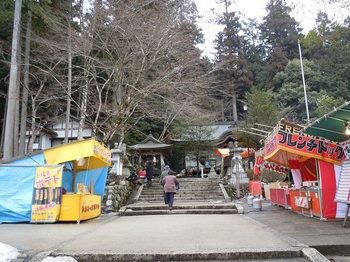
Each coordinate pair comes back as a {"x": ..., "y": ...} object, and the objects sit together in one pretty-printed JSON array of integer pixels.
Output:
[{"x": 129, "y": 68}]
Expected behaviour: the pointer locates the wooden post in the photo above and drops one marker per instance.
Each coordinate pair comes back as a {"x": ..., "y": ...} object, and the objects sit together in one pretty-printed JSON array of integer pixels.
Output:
[
  {"x": 91, "y": 187},
  {"x": 346, "y": 215}
]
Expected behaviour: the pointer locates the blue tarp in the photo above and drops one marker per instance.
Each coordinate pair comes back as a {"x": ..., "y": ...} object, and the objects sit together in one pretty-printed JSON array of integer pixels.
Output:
[
  {"x": 97, "y": 176},
  {"x": 16, "y": 189},
  {"x": 17, "y": 186}
]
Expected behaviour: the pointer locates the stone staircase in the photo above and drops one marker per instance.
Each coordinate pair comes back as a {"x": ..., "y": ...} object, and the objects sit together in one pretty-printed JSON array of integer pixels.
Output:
[{"x": 195, "y": 196}]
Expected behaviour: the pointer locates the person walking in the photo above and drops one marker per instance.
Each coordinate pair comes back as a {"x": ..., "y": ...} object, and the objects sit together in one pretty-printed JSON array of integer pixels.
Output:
[
  {"x": 169, "y": 186},
  {"x": 162, "y": 175},
  {"x": 149, "y": 173}
]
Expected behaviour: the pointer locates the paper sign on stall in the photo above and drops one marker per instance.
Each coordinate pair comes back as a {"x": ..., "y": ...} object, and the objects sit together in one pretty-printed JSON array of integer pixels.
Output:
[
  {"x": 47, "y": 195},
  {"x": 301, "y": 201}
]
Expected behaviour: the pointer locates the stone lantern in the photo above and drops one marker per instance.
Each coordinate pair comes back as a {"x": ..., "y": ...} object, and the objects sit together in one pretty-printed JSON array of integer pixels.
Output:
[
  {"x": 238, "y": 175},
  {"x": 212, "y": 173},
  {"x": 117, "y": 163}
]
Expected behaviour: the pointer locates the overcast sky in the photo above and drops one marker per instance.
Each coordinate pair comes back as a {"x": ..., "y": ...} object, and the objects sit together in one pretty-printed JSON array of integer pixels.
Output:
[{"x": 305, "y": 13}]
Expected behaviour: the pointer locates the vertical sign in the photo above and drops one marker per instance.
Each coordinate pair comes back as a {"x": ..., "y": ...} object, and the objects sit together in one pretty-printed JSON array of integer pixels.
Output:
[{"x": 47, "y": 195}]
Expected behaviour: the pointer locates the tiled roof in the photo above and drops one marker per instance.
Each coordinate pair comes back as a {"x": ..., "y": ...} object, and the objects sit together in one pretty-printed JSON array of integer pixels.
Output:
[
  {"x": 213, "y": 132},
  {"x": 150, "y": 143}
]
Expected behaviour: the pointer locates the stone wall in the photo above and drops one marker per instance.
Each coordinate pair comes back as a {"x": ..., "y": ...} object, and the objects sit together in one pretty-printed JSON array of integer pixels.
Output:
[{"x": 117, "y": 193}]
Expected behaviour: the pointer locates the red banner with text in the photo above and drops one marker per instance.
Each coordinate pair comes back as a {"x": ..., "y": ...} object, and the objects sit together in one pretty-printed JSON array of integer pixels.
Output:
[{"x": 289, "y": 144}]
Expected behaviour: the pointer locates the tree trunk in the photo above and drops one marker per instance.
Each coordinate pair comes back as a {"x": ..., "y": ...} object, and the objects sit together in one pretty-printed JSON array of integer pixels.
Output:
[
  {"x": 23, "y": 127},
  {"x": 3, "y": 130},
  {"x": 69, "y": 84},
  {"x": 16, "y": 113},
  {"x": 16, "y": 122},
  {"x": 84, "y": 95},
  {"x": 12, "y": 92},
  {"x": 33, "y": 133},
  {"x": 234, "y": 107},
  {"x": 82, "y": 110},
  {"x": 197, "y": 162}
]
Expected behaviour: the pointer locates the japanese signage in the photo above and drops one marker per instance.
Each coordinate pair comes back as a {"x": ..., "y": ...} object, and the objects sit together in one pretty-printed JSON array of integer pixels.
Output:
[
  {"x": 295, "y": 144},
  {"x": 346, "y": 147},
  {"x": 274, "y": 167},
  {"x": 317, "y": 148},
  {"x": 102, "y": 153},
  {"x": 47, "y": 195}
]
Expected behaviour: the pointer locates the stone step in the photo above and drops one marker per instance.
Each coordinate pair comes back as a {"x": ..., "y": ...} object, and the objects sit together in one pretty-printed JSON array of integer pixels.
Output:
[
  {"x": 196, "y": 196},
  {"x": 186, "y": 186},
  {"x": 178, "y": 211},
  {"x": 180, "y": 196},
  {"x": 185, "y": 191},
  {"x": 179, "y": 208},
  {"x": 155, "y": 193},
  {"x": 190, "y": 198},
  {"x": 198, "y": 179},
  {"x": 194, "y": 182},
  {"x": 181, "y": 205},
  {"x": 183, "y": 196},
  {"x": 216, "y": 191}
]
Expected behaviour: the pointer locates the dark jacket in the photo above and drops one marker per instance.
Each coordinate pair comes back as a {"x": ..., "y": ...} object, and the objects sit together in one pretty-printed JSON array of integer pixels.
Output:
[{"x": 149, "y": 170}]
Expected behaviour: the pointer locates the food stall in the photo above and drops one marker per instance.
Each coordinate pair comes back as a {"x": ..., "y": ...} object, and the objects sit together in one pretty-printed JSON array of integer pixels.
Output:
[
  {"x": 64, "y": 183},
  {"x": 86, "y": 165},
  {"x": 315, "y": 165},
  {"x": 276, "y": 192},
  {"x": 335, "y": 126}
]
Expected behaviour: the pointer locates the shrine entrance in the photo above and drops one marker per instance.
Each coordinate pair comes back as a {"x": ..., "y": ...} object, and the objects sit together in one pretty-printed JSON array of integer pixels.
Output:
[{"x": 153, "y": 150}]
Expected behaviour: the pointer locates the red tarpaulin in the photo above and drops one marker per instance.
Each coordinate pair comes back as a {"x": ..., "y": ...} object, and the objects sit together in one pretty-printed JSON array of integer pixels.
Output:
[
  {"x": 224, "y": 152},
  {"x": 244, "y": 154}
]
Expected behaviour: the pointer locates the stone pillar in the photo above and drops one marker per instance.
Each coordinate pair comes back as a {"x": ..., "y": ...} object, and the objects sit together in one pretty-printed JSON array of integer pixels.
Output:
[
  {"x": 117, "y": 163},
  {"x": 212, "y": 174},
  {"x": 238, "y": 175}
]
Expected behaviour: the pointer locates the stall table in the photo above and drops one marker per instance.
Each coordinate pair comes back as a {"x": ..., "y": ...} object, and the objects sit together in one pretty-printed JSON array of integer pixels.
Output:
[
  {"x": 78, "y": 207},
  {"x": 280, "y": 196},
  {"x": 306, "y": 201}
]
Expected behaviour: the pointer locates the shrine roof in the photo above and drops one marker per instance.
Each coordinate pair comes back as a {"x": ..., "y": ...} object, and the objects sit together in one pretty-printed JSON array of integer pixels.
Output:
[
  {"x": 150, "y": 143},
  {"x": 217, "y": 132}
]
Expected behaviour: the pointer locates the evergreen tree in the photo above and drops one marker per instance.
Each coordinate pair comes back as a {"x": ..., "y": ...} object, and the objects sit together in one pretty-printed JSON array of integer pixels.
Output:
[
  {"x": 232, "y": 74},
  {"x": 262, "y": 107},
  {"x": 328, "y": 46},
  {"x": 291, "y": 95},
  {"x": 280, "y": 33},
  {"x": 262, "y": 113},
  {"x": 255, "y": 52}
]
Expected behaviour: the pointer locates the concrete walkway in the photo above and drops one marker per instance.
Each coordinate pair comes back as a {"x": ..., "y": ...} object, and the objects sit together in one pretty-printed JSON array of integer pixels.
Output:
[
  {"x": 174, "y": 237},
  {"x": 328, "y": 237},
  {"x": 152, "y": 238}
]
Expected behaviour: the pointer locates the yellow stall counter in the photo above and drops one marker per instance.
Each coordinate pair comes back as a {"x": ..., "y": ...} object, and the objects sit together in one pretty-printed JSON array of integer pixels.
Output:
[{"x": 78, "y": 207}]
